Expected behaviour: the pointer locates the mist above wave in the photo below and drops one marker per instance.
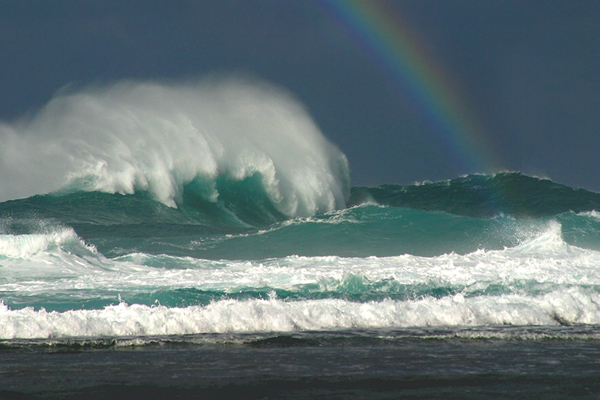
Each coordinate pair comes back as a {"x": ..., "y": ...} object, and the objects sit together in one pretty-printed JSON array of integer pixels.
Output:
[{"x": 162, "y": 138}]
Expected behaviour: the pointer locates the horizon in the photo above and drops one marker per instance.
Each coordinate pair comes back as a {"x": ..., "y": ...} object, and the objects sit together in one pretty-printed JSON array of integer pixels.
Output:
[{"x": 524, "y": 73}]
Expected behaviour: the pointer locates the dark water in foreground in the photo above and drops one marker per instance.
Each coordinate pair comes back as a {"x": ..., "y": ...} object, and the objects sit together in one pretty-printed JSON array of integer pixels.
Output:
[{"x": 426, "y": 364}]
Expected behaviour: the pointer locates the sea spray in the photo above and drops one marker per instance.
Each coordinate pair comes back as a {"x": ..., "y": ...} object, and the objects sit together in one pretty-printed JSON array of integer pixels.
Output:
[{"x": 164, "y": 138}]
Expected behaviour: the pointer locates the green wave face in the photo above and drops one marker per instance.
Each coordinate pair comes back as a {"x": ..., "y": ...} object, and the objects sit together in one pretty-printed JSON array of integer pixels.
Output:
[
  {"x": 508, "y": 193},
  {"x": 243, "y": 223}
]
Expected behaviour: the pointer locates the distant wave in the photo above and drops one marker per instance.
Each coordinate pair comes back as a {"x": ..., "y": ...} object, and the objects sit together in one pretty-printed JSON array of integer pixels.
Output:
[
  {"x": 175, "y": 140},
  {"x": 509, "y": 193}
]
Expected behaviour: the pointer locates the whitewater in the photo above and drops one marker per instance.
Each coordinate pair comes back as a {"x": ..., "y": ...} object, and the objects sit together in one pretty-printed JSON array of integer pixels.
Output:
[
  {"x": 148, "y": 222},
  {"x": 157, "y": 138}
]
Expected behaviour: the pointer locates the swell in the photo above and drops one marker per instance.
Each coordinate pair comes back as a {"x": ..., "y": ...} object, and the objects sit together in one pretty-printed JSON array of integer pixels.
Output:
[
  {"x": 508, "y": 193},
  {"x": 248, "y": 227}
]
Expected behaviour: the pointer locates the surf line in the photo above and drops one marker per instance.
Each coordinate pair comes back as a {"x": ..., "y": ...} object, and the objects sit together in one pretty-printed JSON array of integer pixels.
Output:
[{"x": 390, "y": 40}]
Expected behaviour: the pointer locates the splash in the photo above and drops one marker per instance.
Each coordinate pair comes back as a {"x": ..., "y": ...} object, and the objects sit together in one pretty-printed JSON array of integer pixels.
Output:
[{"x": 157, "y": 137}]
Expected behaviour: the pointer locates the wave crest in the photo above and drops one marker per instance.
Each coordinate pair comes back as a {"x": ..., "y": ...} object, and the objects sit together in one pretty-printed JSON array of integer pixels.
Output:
[
  {"x": 561, "y": 307},
  {"x": 160, "y": 138},
  {"x": 27, "y": 245},
  {"x": 503, "y": 193}
]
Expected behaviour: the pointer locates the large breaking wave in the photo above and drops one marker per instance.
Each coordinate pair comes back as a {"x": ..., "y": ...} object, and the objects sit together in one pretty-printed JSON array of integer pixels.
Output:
[{"x": 174, "y": 140}]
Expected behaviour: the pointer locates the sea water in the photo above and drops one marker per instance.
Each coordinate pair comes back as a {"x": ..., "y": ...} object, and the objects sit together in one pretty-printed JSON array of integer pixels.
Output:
[{"x": 202, "y": 239}]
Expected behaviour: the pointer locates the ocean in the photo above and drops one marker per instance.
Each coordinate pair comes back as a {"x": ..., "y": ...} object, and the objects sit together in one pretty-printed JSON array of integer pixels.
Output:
[{"x": 231, "y": 258}]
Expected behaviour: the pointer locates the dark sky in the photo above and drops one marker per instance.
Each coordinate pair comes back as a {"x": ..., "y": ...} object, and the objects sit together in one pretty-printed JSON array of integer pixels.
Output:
[{"x": 528, "y": 70}]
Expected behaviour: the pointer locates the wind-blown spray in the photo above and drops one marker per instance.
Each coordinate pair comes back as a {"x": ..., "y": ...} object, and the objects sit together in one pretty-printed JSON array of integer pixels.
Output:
[{"x": 155, "y": 137}]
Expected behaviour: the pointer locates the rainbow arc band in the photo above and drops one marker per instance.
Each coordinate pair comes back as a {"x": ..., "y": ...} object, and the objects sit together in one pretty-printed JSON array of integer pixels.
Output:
[{"x": 388, "y": 37}]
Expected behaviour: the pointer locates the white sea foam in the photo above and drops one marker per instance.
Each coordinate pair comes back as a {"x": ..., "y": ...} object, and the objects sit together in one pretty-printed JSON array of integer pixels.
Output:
[
  {"x": 28, "y": 245},
  {"x": 592, "y": 214},
  {"x": 158, "y": 137},
  {"x": 56, "y": 258},
  {"x": 549, "y": 283},
  {"x": 572, "y": 306},
  {"x": 543, "y": 263}
]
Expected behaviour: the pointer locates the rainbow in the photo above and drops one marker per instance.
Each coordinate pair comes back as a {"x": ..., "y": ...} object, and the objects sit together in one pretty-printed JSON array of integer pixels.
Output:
[{"x": 390, "y": 40}]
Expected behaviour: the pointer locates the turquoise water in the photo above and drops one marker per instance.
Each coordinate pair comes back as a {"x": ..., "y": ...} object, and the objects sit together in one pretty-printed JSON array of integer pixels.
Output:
[
  {"x": 145, "y": 223},
  {"x": 376, "y": 300},
  {"x": 91, "y": 254}
]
